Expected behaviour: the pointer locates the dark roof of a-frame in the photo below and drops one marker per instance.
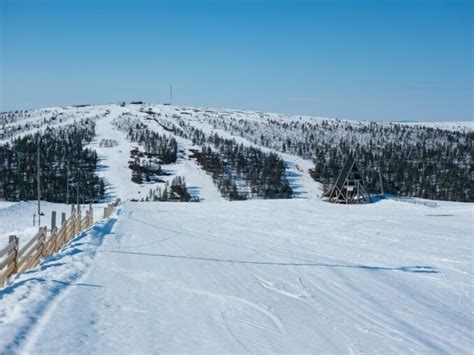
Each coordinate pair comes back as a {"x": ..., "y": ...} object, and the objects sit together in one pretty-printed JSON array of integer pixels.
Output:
[{"x": 349, "y": 166}]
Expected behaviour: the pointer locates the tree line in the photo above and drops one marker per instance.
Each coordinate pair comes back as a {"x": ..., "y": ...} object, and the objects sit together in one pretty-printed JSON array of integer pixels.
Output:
[
  {"x": 66, "y": 166},
  {"x": 177, "y": 191},
  {"x": 417, "y": 161},
  {"x": 239, "y": 172}
]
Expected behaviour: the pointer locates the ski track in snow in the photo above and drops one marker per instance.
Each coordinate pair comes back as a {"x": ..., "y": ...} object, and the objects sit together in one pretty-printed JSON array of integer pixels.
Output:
[{"x": 211, "y": 278}]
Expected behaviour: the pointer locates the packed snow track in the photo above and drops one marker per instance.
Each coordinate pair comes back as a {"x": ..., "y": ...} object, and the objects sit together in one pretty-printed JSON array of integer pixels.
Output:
[{"x": 294, "y": 276}]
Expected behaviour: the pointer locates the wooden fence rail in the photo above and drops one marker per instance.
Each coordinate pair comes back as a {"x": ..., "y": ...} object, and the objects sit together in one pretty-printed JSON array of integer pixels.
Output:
[{"x": 14, "y": 260}]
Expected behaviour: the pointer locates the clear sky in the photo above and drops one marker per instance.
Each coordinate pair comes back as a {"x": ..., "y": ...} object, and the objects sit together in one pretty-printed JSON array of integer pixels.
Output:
[{"x": 360, "y": 59}]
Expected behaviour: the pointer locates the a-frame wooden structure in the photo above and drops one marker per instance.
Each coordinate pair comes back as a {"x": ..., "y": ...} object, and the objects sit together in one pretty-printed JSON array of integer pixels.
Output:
[{"x": 348, "y": 187}]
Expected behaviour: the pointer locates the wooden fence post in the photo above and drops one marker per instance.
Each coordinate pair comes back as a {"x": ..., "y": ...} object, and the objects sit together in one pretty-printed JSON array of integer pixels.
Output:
[
  {"x": 91, "y": 215},
  {"x": 51, "y": 245},
  {"x": 44, "y": 232},
  {"x": 13, "y": 239},
  {"x": 53, "y": 220},
  {"x": 73, "y": 221},
  {"x": 78, "y": 222}
]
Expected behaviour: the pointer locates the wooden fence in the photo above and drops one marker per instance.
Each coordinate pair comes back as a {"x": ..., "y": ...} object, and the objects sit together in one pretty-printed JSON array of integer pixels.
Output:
[
  {"x": 416, "y": 201},
  {"x": 14, "y": 260}
]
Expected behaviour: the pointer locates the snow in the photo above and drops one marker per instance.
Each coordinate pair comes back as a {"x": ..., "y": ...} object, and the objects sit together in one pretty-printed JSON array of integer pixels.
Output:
[
  {"x": 197, "y": 180},
  {"x": 297, "y": 168},
  {"x": 261, "y": 276},
  {"x": 114, "y": 160},
  {"x": 16, "y": 218},
  {"x": 39, "y": 120},
  {"x": 255, "y": 276},
  {"x": 452, "y": 126}
]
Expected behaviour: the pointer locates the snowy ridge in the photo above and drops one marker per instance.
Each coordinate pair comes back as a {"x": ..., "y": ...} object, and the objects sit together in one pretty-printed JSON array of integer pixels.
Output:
[{"x": 227, "y": 123}]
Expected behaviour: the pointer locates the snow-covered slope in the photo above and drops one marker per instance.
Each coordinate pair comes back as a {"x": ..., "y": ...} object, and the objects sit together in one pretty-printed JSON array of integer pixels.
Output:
[
  {"x": 292, "y": 276},
  {"x": 262, "y": 276},
  {"x": 114, "y": 160},
  {"x": 244, "y": 126}
]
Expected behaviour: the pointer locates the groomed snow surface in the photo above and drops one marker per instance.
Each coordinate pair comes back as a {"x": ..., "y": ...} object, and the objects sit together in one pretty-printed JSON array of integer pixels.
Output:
[{"x": 293, "y": 276}]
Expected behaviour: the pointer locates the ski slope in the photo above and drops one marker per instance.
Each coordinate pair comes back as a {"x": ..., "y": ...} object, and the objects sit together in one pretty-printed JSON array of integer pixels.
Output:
[
  {"x": 113, "y": 165},
  {"x": 259, "y": 276},
  {"x": 291, "y": 276},
  {"x": 114, "y": 160}
]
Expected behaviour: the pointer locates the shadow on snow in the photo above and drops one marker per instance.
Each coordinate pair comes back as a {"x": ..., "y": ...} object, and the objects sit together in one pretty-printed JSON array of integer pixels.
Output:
[{"x": 411, "y": 269}]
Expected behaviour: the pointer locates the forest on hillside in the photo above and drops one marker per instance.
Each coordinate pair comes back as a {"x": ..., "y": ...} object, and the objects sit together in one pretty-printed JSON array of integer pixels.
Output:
[
  {"x": 412, "y": 160},
  {"x": 417, "y": 161},
  {"x": 67, "y": 167},
  {"x": 239, "y": 172},
  {"x": 159, "y": 149}
]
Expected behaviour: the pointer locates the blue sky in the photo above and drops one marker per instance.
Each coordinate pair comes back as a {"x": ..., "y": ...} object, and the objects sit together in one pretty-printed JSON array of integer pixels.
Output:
[{"x": 374, "y": 60}]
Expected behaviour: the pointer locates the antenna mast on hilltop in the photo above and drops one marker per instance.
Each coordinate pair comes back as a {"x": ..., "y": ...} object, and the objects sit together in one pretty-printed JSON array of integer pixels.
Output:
[{"x": 171, "y": 94}]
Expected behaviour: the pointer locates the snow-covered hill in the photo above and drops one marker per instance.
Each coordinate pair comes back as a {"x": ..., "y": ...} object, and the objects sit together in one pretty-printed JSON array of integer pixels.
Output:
[
  {"x": 428, "y": 160},
  {"x": 261, "y": 276}
]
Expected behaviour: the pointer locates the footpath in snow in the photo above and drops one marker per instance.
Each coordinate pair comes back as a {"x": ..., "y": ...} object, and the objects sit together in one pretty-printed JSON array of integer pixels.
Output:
[{"x": 214, "y": 278}]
